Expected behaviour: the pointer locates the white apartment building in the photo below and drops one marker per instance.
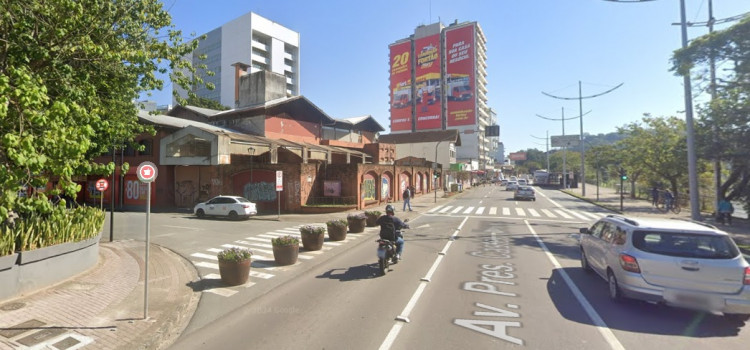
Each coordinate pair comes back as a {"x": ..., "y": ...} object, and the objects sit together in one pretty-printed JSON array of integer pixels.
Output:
[{"x": 253, "y": 41}]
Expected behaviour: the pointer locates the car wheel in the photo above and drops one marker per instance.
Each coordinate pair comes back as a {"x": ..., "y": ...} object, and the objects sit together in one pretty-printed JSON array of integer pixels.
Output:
[
  {"x": 233, "y": 215},
  {"x": 614, "y": 290},
  {"x": 200, "y": 213},
  {"x": 585, "y": 262}
]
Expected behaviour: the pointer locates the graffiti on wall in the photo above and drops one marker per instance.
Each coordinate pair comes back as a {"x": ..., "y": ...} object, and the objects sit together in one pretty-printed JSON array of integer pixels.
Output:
[
  {"x": 260, "y": 191},
  {"x": 369, "y": 190},
  {"x": 418, "y": 183},
  {"x": 332, "y": 188},
  {"x": 385, "y": 188},
  {"x": 186, "y": 193}
]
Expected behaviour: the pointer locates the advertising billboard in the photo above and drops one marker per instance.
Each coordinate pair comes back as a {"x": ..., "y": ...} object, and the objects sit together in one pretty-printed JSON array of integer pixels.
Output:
[
  {"x": 460, "y": 79},
  {"x": 401, "y": 98},
  {"x": 427, "y": 83}
]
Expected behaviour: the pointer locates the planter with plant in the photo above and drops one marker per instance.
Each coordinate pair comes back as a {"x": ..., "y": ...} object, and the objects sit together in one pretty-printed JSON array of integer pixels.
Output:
[
  {"x": 312, "y": 236},
  {"x": 285, "y": 250},
  {"x": 337, "y": 229},
  {"x": 234, "y": 265},
  {"x": 357, "y": 222},
  {"x": 372, "y": 217}
]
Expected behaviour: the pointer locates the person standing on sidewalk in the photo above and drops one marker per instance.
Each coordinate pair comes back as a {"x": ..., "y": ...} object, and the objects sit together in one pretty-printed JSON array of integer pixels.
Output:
[
  {"x": 654, "y": 196},
  {"x": 726, "y": 209},
  {"x": 407, "y": 198}
]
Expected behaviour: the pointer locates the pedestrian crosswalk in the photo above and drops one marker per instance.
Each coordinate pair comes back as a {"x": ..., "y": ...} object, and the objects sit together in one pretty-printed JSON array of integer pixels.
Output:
[
  {"x": 263, "y": 266},
  {"x": 552, "y": 213}
]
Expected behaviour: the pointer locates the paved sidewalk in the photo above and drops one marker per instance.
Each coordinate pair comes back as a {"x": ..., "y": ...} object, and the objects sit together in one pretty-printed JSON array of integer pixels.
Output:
[
  {"x": 103, "y": 308},
  {"x": 609, "y": 198}
]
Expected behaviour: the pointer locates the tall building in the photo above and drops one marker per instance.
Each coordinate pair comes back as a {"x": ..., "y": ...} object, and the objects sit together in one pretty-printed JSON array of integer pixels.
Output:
[
  {"x": 254, "y": 42},
  {"x": 438, "y": 81}
]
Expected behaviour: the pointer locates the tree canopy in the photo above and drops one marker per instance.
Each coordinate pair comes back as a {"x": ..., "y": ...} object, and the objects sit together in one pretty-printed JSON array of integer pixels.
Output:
[{"x": 69, "y": 73}]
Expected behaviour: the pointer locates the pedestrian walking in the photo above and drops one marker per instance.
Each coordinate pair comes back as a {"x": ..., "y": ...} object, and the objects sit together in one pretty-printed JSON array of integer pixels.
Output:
[
  {"x": 407, "y": 198},
  {"x": 726, "y": 209},
  {"x": 654, "y": 196},
  {"x": 668, "y": 199}
]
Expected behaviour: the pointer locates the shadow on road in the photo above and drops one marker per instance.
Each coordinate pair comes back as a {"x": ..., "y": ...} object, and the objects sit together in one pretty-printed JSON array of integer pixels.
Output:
[{"x": 353, "y": 273}]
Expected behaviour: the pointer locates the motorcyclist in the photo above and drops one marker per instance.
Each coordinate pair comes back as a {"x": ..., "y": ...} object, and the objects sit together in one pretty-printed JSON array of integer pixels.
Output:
[{"x": 390, "y": 229}]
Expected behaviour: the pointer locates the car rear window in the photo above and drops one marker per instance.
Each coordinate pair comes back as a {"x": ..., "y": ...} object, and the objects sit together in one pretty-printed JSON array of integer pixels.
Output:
[
  {"x": 243, "y": 200},
  {"x": 685, "y": 245}
]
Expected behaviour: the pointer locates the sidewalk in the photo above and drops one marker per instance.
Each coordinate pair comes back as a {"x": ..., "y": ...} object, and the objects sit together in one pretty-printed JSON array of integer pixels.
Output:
[
  {"x": 103, "y": 308},
  {"x": 609, "y": 198}
]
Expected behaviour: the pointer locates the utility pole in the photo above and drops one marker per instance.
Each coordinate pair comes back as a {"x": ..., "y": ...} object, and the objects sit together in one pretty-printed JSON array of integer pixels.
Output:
[
  {"x": 580, "y": 115},
  {"x": 546, "y": 145},
  {"x": 565, "y": 148}
]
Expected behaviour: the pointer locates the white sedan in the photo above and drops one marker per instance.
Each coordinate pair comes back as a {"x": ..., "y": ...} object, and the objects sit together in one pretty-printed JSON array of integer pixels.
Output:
[
  {"x": 232, "y": 207},
  {"x": 512, "y": 185}
]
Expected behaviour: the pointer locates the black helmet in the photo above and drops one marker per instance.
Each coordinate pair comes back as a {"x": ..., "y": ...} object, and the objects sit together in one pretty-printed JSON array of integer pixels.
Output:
[{"x": 389, "y": 209}]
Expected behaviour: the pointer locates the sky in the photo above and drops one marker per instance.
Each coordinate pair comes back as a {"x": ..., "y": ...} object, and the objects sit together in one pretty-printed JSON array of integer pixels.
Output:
[{"x": 533, "y": 47}]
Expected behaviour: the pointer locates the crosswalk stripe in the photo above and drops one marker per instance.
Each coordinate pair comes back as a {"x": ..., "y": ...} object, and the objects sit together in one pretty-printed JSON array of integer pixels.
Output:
[
  {"x": 456, "y": 210},
  {"x": 468, "y": 210},
  {"x": 520, "y": 212},
  {"x": 548, "y": 213},
  {"x": 480, "y": 210},
  {"x": 446, "y": 209},
  {"x": 534, "y": 213},
  {"x": 435, "y": 209},
  {"x": 563, "y": 214},
  {"x": 493, "y": 211},
  {"x": 506, "y": 211},
  {"x": 593, "y": 215},
  {"x": 578, "y": 215}
]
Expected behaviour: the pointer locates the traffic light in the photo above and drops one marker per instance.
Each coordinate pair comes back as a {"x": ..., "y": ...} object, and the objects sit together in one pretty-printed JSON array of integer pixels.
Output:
[
  {"x": 436, "y": 175},
  {"x": 623, "y": 174}
]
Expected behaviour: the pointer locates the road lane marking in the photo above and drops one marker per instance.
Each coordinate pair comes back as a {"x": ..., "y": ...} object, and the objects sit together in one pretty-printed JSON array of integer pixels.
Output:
[
  {"x": 506, "y": 211},
  {"x": 548, "y": 213},
  {"x": 563, "y": 214},
  {"x": 468, "y": 210},
  {"x": 601, "y": 326},
  {"x": 493, "y": 211},
  {"x": 446, "y": 209},
  {"x": 534, "y": 213},
  {"x": 520, "y": 212},
  {"x": 480, "y": 211},
  {"x": 456, "y": 210}
]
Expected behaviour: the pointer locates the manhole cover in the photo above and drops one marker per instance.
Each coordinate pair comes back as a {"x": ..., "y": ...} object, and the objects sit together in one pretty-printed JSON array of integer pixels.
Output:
[{"x": 12, "y": 306}]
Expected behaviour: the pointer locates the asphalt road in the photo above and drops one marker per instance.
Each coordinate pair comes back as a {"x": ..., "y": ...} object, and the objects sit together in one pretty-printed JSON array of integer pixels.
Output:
[{"x": 481, "y": 271}]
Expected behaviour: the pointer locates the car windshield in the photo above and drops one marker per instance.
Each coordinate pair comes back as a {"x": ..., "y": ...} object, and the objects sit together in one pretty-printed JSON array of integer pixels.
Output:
[{"x": 685, "y": 245}]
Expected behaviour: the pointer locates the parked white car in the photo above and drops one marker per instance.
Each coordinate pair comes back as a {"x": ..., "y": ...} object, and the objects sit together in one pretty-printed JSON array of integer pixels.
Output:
[
  {"x": 233, "y": 207},
  {"x": 674, "y": 262}
]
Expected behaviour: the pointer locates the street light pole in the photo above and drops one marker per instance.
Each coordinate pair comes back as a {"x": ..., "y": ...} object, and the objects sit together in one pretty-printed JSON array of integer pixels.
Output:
[
  {"x": 565, "y": 149},
  {"x": 546, "y": 140}
]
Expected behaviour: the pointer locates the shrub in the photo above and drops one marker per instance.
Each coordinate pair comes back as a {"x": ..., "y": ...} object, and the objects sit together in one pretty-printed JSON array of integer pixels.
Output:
[
  {"x": 235, "y": 254},
  {"x": 61, "y": 225},
  {"x": 337, "y": 223},
  {"x": 284, "y": 241},
  {"x": 375, "y": 213},
  {"x": 356, "y": 216},
  {"x": 312, "y": 230}
]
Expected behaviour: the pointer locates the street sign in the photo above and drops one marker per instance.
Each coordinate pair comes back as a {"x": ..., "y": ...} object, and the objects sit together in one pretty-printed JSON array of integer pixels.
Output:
[
  {"x": 564, "y": 140},
  {"x": 147, "y": 172},
  {"x": 102, "y": 185},
  {"x": 279, "y": 180}
]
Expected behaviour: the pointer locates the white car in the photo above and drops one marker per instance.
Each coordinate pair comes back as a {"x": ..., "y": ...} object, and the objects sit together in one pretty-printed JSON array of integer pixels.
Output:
[
  {"x": 522, "y": 182},
  {"x": 511, "y": 186},
  {"x": 233, "y": 207}
]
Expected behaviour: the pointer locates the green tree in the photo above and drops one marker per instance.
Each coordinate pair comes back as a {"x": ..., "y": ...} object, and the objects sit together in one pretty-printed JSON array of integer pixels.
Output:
[
  {"x": 69, "y": 71},
  {"x": 205, "y": 103}
]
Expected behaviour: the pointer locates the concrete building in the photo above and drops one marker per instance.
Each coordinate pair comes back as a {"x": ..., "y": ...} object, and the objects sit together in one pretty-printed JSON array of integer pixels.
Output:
[
  {"x": 438, "y": 81},
  {"x": 253, "y": 41}
]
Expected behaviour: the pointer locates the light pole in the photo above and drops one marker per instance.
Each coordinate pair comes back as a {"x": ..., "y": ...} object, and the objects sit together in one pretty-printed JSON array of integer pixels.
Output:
[
  {"x": 436, "y": 162},
  {"x": 546, "y": 140},
  {"x": 251, "y": 150},
  {"x": 690, "y": 133},
  {"x": 580, "y": 115},
  {"x": 565, "y": 148}
]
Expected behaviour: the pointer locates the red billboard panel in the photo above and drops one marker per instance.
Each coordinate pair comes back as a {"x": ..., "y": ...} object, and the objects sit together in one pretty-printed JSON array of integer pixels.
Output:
[
  {"x": 427, "y": 82},
  {"x": 460, "y": 80},
  {"x": 517, "y": 156},
  {"x": 401, "y": 99}
]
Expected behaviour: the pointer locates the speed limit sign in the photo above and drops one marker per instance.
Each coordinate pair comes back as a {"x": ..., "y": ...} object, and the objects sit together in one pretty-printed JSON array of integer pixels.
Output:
[{"x": 102, "y": 185}]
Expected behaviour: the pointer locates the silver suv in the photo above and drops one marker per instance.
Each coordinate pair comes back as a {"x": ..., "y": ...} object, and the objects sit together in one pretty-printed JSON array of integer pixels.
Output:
[{"x": 675, "y": 262}]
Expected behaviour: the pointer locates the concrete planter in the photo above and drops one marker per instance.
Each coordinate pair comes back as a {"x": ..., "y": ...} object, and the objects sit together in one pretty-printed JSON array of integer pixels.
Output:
[
  {"x": 7, "y": 261},
  {"x": 36, "y": 269}
]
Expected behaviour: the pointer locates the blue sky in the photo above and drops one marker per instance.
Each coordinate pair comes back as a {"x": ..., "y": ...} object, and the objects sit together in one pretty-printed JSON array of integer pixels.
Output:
[{"x": 533, "y": 46}]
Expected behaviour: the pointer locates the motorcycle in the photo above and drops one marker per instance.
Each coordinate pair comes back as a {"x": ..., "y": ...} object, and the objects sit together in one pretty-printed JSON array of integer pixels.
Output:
[{"x": 387, "y": 252}]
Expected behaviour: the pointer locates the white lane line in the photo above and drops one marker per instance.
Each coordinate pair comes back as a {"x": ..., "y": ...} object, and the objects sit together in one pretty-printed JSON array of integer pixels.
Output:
[
  {"x": 457, "y": 210},
  {"x": 468, "y": 210},
  {"x": 506, "y": 211},
  {"x": 534, "y": 213},
  {"x": 601, "y": 326},
  {"x": 434, "y": 209},
  {"x": 563, "y": 214},
  {"x": 578, "y": 215},
  {"x": 480, "y": 210},
  {"x": 493, "y": 211},
  {"x": 548, "y": 213},
  {"x": 446, "y": 209},
  {"x": 520, "y": 212},
  {"x": 404, "y": 316}
]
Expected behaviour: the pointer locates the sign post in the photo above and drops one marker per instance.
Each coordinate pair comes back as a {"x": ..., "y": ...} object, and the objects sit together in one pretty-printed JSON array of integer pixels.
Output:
[
  {"x": 279, "y": 188},
  {"x": 101, "y": 186},
  {"x": 147, "y": 173}
]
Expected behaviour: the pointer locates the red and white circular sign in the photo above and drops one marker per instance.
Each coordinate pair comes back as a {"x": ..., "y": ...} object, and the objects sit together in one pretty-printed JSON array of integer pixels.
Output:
[
  {"x": 102, "y": 185},
  {"x": 147, "y": 172}
]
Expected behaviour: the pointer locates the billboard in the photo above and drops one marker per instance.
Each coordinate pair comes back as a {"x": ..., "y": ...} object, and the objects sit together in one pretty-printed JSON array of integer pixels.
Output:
[
  {"x": 401, "y": 98},
  {"x": 427, "y": 83},
  {"x": 517, "y": 156},
  {"x": 460, "y": 78}
]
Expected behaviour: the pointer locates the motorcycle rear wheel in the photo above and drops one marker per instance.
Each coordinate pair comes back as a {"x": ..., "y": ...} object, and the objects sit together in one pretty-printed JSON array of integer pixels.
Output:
[{"x": 383, "y": 265}]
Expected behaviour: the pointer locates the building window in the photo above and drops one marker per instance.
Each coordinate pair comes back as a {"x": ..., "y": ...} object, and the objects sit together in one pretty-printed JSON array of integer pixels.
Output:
[{"x": 147, "y": 147}]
